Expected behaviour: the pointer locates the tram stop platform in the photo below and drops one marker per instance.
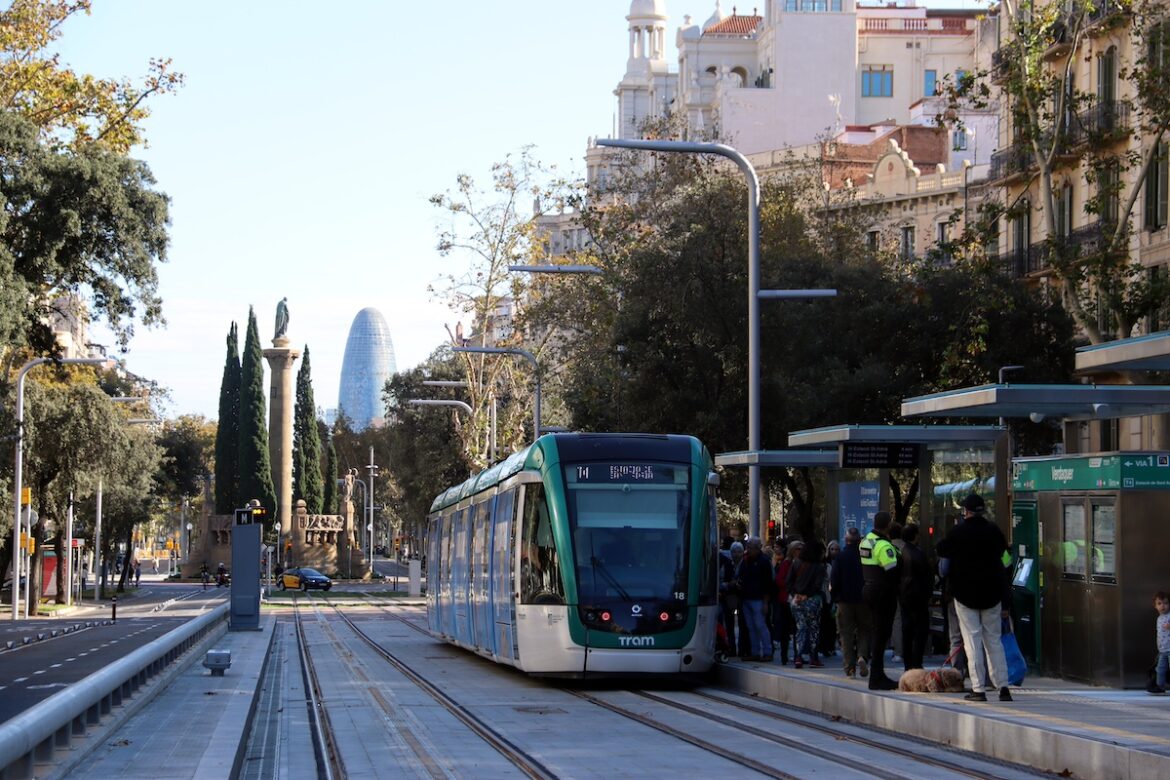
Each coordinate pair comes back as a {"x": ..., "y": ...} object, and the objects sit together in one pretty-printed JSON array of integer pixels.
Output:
[
  {"x": 1054, "y": 725},
  {"x": 196, "y": 726}
]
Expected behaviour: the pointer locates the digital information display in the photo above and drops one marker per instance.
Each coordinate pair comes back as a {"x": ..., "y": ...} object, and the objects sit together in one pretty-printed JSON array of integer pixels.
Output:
[
  {"x": 622, "y": 473},
  {"x": 878, "y": 455}
]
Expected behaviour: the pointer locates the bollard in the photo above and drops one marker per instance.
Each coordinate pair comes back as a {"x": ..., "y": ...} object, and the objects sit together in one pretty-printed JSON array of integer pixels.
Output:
[{"x": 114, "y": 607}]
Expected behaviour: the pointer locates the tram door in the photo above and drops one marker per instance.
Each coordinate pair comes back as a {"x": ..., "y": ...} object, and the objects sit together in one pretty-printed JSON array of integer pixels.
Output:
[
  {"x": 481, "y": 621},
  {"x": 503, "y": 604}
]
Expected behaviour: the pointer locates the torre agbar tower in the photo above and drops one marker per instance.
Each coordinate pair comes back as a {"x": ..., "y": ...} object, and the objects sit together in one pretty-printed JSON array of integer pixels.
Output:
[{"x": 368, "y": 363}]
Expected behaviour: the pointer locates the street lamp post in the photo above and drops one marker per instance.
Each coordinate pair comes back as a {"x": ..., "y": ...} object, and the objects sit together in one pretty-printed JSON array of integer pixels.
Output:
[
  {"x": 535, "y": 367},
  {"x": 754, "y": 292},
  {"x": 370, "y": 496},
  {"x": 16, "y": 483}
]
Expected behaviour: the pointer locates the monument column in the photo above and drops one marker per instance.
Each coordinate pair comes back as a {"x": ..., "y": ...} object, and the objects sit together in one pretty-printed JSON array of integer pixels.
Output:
[{"x": 281, "y": 401}]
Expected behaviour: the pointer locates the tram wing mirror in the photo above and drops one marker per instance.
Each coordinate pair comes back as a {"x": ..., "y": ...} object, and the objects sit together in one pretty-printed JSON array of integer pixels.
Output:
[{"x": 713, "y": 479}]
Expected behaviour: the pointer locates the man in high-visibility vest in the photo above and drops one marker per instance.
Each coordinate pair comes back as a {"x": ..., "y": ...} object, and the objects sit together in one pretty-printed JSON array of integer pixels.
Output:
[
  {"x": 975, "y": 558},
  {"x": 879, "y": 567}
]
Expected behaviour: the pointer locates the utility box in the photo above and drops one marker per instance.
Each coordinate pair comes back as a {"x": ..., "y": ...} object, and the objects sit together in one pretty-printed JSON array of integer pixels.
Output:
[
  {"x": 245, "y": 584},
  {"x": 1103, "y": 547},
  {"x": 415, "y": 568}
]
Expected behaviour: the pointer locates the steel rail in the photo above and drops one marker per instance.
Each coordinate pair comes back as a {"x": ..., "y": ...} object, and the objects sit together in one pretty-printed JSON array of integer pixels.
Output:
[
  {"x": 329, "y": 763},
  {"x": 522, "y": 760},
  {"x": 842, "y": 735}
]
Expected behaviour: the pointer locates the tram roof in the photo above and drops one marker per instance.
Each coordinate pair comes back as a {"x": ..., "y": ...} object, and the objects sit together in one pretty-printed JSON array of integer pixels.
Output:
[
  {"x": 1141, "y": 353},
  {"x": 1069, "y": 402}
]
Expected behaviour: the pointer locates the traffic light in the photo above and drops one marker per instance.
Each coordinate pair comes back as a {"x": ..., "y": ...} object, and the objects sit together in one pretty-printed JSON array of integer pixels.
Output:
[{"x": 251, "y": 515}]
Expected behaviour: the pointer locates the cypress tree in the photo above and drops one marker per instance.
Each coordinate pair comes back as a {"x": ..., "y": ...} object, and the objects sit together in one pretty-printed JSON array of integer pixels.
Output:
[
  {"x": 227, "y": 433},
  {"x": 330, "y": 501},
  {"x": 307, "y": 442},
  {"x": 255, "y": 466}
]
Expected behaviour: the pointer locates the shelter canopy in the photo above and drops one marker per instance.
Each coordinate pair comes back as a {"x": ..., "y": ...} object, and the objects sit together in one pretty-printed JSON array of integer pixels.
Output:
[
  {"x": 934, "y": 436},
  {"x": 1071, "y": 402},
  {"x": 1141, "y": 353}
]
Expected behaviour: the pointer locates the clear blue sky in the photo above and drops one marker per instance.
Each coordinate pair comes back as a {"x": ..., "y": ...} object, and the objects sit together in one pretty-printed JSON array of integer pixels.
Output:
[{"x": 300, "y": 154}]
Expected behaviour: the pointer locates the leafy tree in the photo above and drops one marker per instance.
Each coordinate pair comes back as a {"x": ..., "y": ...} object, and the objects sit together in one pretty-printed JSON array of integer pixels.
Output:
[
  {"x": 1112, "y": 139},
  {"x": 658, "y": 343},
  {"x": 421, "y": 442},
  {"x": 307, "y": 483},
  {"x": 493, "y": 231},
  {"x": 86, "y": 221},
  {"x": 66, "y": 106},
  {"x": 227, "y": 434},
  {"x": 329, "y": 500},
  {"x": 74, "y": 436},
  {"x": 187, "y": 443},
  {"x": 255, "y": 466}
]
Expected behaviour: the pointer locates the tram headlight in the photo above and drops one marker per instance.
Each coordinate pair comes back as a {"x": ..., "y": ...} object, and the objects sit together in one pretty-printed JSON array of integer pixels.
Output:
[
  {"x": 605, "y": 617},
  {"x": 665, "y": 616}
]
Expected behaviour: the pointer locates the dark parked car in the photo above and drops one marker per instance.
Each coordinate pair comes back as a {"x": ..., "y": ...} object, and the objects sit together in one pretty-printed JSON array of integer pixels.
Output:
[{"x": 304, "y": 578}]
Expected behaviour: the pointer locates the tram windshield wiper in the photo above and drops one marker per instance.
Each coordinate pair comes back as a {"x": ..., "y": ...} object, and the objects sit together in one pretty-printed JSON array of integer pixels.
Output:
[{"x": 599, "y": 567}]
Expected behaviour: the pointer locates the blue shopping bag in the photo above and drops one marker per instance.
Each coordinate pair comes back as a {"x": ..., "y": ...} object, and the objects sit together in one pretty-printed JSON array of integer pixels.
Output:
[{"x": 1017, "y": 666}]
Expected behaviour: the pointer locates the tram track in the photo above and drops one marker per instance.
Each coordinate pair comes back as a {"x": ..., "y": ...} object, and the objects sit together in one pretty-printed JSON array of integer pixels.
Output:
[
  {"x": 929, "y": 756},
  {"x": 529, "y": 765},
  {"x": 848, "y": 733},
  {"x": 329, "y": 762}
]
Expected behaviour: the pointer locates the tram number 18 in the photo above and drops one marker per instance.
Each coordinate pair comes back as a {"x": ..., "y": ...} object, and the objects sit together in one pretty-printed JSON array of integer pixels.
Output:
[{"x": 680, "y": 595}]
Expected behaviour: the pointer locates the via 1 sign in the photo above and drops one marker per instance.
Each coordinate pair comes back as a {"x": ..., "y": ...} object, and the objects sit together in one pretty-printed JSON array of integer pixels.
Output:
[{"x": 878, "y": 455}]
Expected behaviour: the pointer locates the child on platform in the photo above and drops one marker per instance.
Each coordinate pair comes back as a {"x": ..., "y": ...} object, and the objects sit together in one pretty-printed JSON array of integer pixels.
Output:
[{"x": 1162, "y": 632}]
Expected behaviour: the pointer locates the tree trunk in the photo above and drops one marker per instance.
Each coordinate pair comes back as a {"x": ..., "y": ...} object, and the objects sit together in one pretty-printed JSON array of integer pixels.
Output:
[{"x": 62, "y": 566}]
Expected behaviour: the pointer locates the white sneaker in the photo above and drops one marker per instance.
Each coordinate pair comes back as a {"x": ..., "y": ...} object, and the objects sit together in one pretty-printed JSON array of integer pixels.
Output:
[{"x": 862, "y": 667}]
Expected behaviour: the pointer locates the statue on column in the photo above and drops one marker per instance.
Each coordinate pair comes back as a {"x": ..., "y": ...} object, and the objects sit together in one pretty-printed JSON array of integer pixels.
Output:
[{"x": 281, "y": 319}]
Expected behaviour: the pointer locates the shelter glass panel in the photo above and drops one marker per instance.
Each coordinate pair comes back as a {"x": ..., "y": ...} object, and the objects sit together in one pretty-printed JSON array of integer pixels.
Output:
[{"x": 1073, "y": 545}]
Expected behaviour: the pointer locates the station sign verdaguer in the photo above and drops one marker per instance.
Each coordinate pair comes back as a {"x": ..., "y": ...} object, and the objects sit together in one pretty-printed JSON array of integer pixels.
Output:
[
  {"x": 878, "y": 455},
  {"x": 1123, "y": 471}
]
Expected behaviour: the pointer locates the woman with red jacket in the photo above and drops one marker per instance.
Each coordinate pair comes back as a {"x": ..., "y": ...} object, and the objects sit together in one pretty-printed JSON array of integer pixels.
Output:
[{"x": 782, "y": 623}]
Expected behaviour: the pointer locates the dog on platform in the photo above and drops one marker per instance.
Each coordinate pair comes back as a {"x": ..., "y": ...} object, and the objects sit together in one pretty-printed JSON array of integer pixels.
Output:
[{"x": 944, "y": 680}]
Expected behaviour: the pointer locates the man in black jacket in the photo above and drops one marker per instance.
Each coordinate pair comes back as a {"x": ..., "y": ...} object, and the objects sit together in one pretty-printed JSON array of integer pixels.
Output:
[
  {"x": 975, "y": 558},
  {"x": 917, "y": 584},
  {"x": 854, "y": 623}
]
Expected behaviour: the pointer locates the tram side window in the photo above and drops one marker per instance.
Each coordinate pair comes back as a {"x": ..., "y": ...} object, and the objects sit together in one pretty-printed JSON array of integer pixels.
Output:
[{"x": 540, "y": 571}]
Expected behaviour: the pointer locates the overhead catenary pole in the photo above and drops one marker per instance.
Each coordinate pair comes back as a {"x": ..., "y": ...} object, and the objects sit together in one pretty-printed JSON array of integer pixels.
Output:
[
  {"x": 754, "y": 292},
  {"x": 535, "y": 369}
]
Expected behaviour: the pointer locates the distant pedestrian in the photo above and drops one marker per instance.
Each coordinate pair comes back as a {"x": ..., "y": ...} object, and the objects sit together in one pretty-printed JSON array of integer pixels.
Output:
[
  {"x": 204, "y": 574},
  {"x": 806, "y": 586},
  {"x": 976, "y": 558},
  {"x": 154, "y": 565},
  {"x": 729, "y": 598},
  {"x": 854, "y": 622},
  {"x": 137, "y": 573},
  {"x": 916, "y": 587},
  {"x": 755, "y": 578},
  {"x": 828, "y": 640},
  {"x": 84, "y": 574},
  {"x": 785, "y": 624},
  {"x": 879, "y": 566},
  {"x": 1162, "y": 634}
]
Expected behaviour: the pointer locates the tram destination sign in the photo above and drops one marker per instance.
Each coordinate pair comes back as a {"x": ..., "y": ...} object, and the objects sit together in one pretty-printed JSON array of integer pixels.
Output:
[
  {"x": 623, "y": 472},
  {"x": 878, "y": 455}
]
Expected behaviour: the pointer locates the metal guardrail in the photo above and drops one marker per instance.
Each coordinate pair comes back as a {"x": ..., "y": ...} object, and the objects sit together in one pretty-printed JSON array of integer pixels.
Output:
[{"x": 37, "y": 732}]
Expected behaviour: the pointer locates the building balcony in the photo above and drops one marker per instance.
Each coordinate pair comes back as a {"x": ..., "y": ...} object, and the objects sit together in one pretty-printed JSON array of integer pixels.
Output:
[
  {"x": 1020, "y": 262},
  {"x": 1104, "y": 123},
  {"x": 1016, "y": 160}
]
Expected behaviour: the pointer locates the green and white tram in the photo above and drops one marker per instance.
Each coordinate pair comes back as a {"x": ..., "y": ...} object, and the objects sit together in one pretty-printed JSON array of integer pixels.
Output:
[{"x": 581, "y": 555}]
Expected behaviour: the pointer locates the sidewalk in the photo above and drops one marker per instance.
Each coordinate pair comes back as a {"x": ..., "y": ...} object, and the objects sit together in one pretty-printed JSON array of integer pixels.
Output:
[{"x": 1053, "y": 725}]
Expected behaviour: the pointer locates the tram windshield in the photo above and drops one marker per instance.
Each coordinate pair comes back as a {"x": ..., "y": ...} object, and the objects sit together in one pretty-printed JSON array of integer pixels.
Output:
[{"x": 629, "y": 527}]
